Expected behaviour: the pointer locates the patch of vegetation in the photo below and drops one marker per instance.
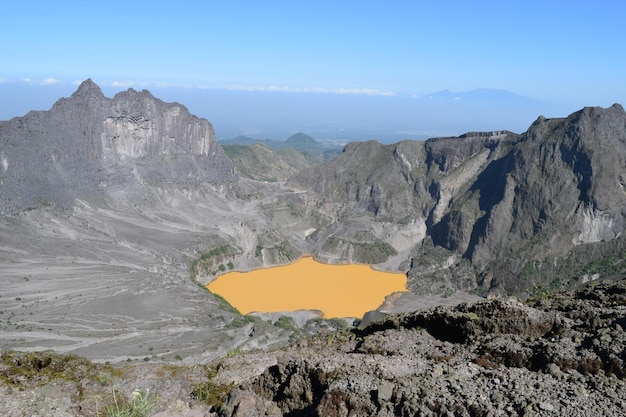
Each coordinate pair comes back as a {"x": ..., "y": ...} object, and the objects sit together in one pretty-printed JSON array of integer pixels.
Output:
[
  {"x": 607, "y": 266},
  {"x": 539, "y": 293},
  {"x": 286, "y": 323},
  {"x": 207, "y": 261},
  {"x": 286, "y": 251},
  {"x": 528, "y": 270},
  {"x": 296, "y": 210},
  {"x": 324, "y": 332},
  {"x": 141, "y": 404},
  {"x": 234, "y": 352},
  {"x": 326, "y": 336},
  {"x": 279, "y": 253},
  {"x": 225, "y": 305},
  {"x": 211, "y": 393},
  {"x": 26, "y": 368},
  {"x": 373, "y": 252},
  {"x": 241, "y": 321}
]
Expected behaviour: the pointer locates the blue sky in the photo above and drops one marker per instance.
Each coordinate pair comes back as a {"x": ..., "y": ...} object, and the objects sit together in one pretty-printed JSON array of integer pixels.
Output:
[{"x": 249, "y": 65}]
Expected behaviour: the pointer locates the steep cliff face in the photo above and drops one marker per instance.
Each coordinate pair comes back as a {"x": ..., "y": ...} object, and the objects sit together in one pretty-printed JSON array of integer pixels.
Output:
[
  {"x": 516, "y": 207},
  {"x": 560, "y": 186},
  {"x": 87, "y": 143},
  {"x": 404, "y": 180},
  {"x": 578, "y": 175}
]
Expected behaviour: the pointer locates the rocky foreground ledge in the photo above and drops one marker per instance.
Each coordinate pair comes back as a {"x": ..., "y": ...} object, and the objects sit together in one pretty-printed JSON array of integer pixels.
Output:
[{"x": 559, "y": 354}]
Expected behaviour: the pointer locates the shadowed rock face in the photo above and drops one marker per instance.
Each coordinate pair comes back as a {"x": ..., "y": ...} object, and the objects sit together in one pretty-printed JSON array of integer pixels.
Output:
[
  {"x": 87, "y": 143},
  {"x": 558, "y": 188},
  {"x": 513, "y": 206}
]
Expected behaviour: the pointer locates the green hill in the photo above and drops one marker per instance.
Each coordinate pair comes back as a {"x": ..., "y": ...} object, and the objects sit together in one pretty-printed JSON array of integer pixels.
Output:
[{"x": 259, "y": 161}]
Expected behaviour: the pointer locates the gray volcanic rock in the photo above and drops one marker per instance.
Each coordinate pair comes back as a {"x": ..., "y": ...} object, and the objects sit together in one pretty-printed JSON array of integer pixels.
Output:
[
  {"x": 87, "y": 144},
  {"x": 368, "y": 177},
  {"x": 560, "y": 356},
  {"x": 499, "y": 210},
  {"x": 403, "y": 180},
  {"x": 560, "y": 187}
]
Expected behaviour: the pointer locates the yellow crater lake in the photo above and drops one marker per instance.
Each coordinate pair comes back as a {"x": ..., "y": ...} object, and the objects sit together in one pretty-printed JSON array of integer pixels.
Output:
[{"x": 335, "y": 290}]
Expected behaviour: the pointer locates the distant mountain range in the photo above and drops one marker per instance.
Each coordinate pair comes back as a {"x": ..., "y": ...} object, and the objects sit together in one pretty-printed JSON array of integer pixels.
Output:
[
  {"x": 344, "y": 118},
  {"x": 480, "y": 95}
]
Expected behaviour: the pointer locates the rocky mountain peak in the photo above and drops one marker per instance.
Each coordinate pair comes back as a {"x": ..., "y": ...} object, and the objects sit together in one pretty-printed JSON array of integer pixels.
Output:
[
  {"x": 132, "y": 94},
  {"x": 615, "y": 110},
  {"x": 88, "y": 88},
  {"x": 89, "y": 143}
]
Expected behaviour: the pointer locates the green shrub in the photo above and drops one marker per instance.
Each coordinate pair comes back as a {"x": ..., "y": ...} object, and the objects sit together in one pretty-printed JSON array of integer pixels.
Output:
[
  {"x": 142, "y": 404},
  {"x": 208, "y": 260},
  {"x": 286, "y": 323},
  {"x": 211, "y": 393},
  {"x": 234, "y": 352}
]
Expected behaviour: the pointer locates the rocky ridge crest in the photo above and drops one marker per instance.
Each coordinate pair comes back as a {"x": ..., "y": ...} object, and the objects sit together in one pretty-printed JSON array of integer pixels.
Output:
[
  {"x": 88, "y": 144},
  {"x": 499, "y": 210}
]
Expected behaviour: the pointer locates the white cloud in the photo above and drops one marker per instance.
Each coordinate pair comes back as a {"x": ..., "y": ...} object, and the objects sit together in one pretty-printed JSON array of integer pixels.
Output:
[
  {"x": 314, "y": 90},
  {"x": 235, "y": 87},
  {"x": 45, "y": 81},
  {"x": 4, "y": 80},
  {"x": 50, "y": 81},
  {"x": 123, "y": 84},
  {"x": 163, "y": 84}
]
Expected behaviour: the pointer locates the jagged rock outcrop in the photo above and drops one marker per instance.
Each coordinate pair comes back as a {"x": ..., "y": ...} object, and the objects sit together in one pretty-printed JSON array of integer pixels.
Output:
[
  {"x": 560, "y": 355},
  {"x": 87, "y": 144},
  {"x": 412, "y": 184}
]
